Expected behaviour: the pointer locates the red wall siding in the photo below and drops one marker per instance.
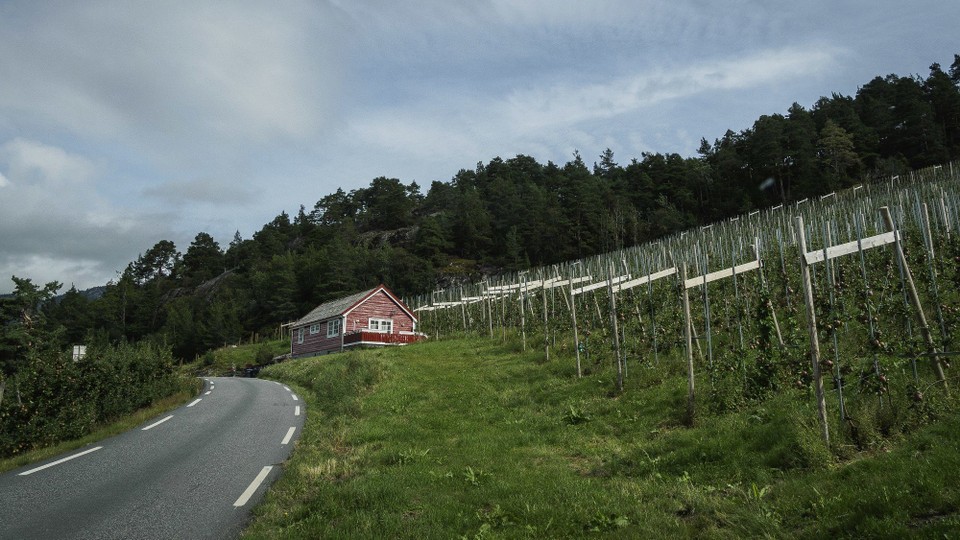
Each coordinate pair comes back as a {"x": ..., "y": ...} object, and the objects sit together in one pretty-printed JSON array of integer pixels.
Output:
[
  {"x": 379, "y": 305},
  {"x": 314, "y": 344}
]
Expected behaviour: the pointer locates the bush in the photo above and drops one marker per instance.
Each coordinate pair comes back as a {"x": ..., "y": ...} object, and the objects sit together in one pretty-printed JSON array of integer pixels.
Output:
[
  {"x": 264, "y": 355},
  {"x": 52, "y": 398}
]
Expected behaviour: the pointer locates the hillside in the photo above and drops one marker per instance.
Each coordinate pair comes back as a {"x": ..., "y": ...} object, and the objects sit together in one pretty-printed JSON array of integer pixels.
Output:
[
  {"x": 470, "y": 438},
  {"x": 509, "y": 214}
]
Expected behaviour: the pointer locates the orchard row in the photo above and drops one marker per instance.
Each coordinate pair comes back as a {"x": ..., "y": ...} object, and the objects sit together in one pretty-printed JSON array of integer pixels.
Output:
[{"x": 726, "y": 304}]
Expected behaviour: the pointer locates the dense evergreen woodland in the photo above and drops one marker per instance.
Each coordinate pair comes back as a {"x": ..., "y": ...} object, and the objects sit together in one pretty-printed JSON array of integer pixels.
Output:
[{"x": 505, "y": 214}]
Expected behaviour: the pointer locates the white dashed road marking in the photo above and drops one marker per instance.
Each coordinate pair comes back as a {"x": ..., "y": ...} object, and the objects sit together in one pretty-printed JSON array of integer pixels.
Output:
[
  {"x": 59, "y": 461},
  {"x": 252, "y": 488},
  {"x": 157, "y": 423}
]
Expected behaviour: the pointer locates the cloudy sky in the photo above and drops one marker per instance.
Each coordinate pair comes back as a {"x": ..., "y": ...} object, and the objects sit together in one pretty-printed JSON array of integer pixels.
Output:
[{"x": 124, "y": 123}]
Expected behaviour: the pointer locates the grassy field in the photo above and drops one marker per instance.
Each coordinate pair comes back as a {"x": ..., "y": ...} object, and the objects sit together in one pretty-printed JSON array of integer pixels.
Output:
[{"x": 472, "y": 439}]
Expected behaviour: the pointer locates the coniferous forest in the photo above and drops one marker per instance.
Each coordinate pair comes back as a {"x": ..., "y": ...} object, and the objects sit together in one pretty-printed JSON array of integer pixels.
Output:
[{"x": 505, "y": 214}]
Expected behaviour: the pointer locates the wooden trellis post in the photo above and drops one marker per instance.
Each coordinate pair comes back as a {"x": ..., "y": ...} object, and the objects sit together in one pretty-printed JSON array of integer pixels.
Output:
[
  {"x": 576, "y": 335},
  {"x": 688, "y": 335},
  {"x": 546, "y": 329},
  {"x": 763, "y": 284},
  {"x": 523, "y": 316},
  {"x": 487, "y": 305},
  {"x": 615, "y": 327},
  {"x": 463, "y": 311},
  {"x": 915, "y": 300},
  {"x": 812, "y": 327}
]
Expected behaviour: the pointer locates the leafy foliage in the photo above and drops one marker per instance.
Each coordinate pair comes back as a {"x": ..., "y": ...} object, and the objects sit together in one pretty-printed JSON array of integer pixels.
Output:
[{"x": 54, "y": 398}]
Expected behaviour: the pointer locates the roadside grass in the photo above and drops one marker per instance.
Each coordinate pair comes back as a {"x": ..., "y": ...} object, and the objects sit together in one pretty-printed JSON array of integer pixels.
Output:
[
  {"x": 473, "y": 439},
  {"x": 225, "y": 360},
  {"x": 190, "y": 390}
]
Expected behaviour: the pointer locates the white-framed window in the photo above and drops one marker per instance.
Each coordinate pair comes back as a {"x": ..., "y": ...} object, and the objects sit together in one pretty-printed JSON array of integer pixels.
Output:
[
  {"x": 333, "y": 327},
  {"x": 299, "y": 335},
  {"x": 380, "y": 325},
  {"x": 314, "y": 328}
]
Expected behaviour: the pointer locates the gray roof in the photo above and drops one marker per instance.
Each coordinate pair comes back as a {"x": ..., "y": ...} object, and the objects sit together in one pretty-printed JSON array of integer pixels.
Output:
[{"x": 333, "y": 308}]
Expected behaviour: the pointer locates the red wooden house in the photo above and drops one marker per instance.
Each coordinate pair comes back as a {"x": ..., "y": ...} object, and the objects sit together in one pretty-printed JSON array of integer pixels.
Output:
[{"x": 373, "y": 317}]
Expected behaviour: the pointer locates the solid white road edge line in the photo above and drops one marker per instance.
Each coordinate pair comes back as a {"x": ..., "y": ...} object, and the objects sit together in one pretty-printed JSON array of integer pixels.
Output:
[
  {"x": 289, "y": 435},
  {"x": 194, "y": 402},
  {"x": 296, "y": 412},
  {"x": 59, "y": 461},
  {"x": 252, "y": 488},
  {"x": 157, "y": 423}
]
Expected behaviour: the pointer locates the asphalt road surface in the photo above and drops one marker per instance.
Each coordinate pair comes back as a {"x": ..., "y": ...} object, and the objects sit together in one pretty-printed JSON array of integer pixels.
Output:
[{"x": 194, "y": 472}]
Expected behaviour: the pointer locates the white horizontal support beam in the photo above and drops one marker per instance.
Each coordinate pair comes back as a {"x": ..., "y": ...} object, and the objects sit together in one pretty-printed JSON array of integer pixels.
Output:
[
  {"x": 850, "y": 247},
  {"x": 720, "y": 274},
  {"x": 645, "y": 280},
  {"x": 437, "y": 305},
  {"x": 503, "y": 288},
  {"x": 516, "y": 287},
  {"x": 566, "y": 282},
  {"x": 599, "y": 284}
]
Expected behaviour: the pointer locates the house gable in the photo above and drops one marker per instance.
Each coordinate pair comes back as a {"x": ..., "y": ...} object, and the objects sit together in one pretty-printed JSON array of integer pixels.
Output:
[{"x": 381, "y": 305}]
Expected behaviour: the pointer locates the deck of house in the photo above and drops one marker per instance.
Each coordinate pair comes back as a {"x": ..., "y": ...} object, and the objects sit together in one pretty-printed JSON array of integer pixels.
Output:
[{"x": 370, "y": 337}]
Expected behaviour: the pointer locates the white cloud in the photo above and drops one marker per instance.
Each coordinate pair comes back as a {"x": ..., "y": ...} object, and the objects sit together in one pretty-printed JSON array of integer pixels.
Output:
[
  {"x": 541, "y": 108},
  {"x": 55, "y": 219},
  {"x": 201, "y": 190},
  {"x": 32, "y": 162},
  {"x": 41, "y": 269},
  {"x": 3, "y": 181},
  {"x": 557, "y": 115},
  {"x": 167, "y": 81}
]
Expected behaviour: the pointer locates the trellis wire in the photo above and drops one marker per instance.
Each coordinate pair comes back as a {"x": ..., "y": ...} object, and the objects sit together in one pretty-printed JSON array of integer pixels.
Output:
[{"x": 774, "y": 232}]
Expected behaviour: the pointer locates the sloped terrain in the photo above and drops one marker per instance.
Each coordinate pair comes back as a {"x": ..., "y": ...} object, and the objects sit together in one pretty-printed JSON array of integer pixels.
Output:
[{"x": 473, "y": 439}]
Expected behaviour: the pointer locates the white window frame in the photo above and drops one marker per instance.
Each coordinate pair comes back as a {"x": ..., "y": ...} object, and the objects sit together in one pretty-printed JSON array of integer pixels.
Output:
[
  {"x": 334, "y": 327},
  {"x": 376, "y": 324},
  {"x": 314, "y": 328},
  {"x": 300, "y": 336}
]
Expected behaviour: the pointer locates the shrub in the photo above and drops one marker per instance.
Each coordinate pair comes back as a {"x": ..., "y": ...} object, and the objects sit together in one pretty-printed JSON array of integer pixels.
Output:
[{"x": 54, "y": 398}]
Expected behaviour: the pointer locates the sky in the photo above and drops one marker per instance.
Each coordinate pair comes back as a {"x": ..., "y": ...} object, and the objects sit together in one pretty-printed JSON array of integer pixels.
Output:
[{"x": 126, "y": 123}]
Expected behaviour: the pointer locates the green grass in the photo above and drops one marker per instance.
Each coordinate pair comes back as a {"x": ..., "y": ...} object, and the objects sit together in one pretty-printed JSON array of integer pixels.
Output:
[
  {"x": 472, "y": 439},
  {"x": 222, "y": 361},
  {"x": 109, "y": 430}
]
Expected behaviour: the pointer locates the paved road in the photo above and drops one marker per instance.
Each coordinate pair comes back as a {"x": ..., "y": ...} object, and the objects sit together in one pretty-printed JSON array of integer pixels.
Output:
[{"x": 191, "y": 473}]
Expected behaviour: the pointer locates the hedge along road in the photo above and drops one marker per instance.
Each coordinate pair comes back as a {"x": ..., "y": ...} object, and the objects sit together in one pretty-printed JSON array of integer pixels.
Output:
[{"x": 191, "y": 473}]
